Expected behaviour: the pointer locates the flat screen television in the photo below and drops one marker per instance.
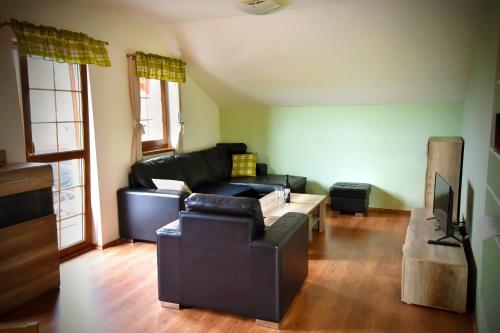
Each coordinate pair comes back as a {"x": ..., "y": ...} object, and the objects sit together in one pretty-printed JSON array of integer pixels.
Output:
[
  {"x": 443, "y": 208},
  {"x": 443, "y": 203}
]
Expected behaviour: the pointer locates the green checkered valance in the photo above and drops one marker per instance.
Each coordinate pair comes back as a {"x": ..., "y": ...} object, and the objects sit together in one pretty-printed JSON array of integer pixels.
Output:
[
  {"x": 152, "y": 66},
  {"x": 60, "y": 45}
]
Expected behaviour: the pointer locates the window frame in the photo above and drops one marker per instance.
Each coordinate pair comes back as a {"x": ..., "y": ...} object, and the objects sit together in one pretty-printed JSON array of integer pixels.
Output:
[{"x": 152, "y": 147}]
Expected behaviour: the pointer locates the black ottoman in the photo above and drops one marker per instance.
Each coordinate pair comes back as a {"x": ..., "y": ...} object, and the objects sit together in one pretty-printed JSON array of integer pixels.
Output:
[{"x": 350, "y": 197}]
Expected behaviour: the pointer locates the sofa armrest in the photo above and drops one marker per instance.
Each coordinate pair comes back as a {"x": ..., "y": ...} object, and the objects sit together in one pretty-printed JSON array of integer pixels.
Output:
[
  {"x": 279, "y": 265},
  {"x": 142, "y": 211},
  {"x": 261, "y": 169},
  {"x": 168, "y": 258}
]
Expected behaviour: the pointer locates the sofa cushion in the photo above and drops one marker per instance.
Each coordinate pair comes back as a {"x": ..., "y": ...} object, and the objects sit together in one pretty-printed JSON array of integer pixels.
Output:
[
  {"x": 195, "y": 169},
  {"x": 227, "y": 189},
  {"x": 228, "y": 149},
  {"x": 233, "y": 148},
  {"x": 265, "y": 184},
  {"x": 244, "y": 165},
  {"x": 218, "y": 164},
  {"x": 164, "y": 167},
  {"x": 226, "y": 205}
]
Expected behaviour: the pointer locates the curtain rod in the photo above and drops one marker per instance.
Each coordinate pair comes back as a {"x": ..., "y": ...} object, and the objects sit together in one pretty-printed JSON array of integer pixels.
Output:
[{"x": 4, "y": 23}]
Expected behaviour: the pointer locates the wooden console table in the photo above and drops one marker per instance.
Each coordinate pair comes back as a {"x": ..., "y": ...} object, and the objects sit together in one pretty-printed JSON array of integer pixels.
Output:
[
  {"x": 432, "y": 275},
  {"x": 29, "y": 256}
]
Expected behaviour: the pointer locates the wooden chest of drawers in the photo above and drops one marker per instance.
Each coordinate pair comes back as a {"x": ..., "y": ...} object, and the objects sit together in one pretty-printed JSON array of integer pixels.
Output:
[{"x": 29, "y": 256}]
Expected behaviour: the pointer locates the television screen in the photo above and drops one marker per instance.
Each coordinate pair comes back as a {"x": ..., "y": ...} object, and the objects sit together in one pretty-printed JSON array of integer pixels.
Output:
[{"x": 443, "y": 201}]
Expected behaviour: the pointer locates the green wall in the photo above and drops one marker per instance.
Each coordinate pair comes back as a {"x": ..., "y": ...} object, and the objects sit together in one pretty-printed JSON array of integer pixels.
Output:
[
  {"x": 384, "y": 145},
  {"x": 477, "y": 133}
]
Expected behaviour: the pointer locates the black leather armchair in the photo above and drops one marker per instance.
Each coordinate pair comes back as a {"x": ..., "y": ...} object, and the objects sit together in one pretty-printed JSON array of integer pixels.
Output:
[{"x": 219, "y": 256}]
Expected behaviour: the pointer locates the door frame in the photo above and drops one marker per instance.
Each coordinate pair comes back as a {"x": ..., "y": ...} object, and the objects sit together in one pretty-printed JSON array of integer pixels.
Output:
[{"x": 69, "y": 155}]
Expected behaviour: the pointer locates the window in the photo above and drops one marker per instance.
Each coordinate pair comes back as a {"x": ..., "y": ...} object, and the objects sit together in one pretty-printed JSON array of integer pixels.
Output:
[
  {"x": 55, "y": 108},
  {"x": 157, "y": 97}
]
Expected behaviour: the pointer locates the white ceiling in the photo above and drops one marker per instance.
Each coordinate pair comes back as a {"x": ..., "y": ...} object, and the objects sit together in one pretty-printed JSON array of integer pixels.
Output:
[
  {"x": 194, "y": 10},
  {"x": 320, "y": 52}
]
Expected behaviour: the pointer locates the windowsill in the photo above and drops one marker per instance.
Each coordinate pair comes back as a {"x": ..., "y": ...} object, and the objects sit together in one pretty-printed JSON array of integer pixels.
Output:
[{"x": 158, "y": 151}]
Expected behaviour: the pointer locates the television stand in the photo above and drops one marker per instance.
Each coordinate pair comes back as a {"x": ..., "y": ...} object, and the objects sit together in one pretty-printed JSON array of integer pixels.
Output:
[{"x": 434, "y": 276}]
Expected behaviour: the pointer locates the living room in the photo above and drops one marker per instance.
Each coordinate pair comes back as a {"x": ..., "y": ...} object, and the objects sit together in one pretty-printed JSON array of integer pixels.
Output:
[{"x": 325, "y": 91}]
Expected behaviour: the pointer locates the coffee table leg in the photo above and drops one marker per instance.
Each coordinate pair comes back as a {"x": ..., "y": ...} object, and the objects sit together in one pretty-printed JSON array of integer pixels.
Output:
[{"x": 322, "y": 213}]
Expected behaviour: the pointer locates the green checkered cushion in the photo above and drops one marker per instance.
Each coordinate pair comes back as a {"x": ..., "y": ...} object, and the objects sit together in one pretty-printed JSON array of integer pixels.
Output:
[{"x": 244, "y": 165}]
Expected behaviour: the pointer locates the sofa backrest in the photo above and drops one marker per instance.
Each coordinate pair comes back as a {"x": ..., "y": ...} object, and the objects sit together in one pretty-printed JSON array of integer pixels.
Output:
[
  {"x": 215, "y": 251},
  {"x": 164, "y": 167},
  {"x": 195, "y": 168},
  {"x": 242, "y": 209}
]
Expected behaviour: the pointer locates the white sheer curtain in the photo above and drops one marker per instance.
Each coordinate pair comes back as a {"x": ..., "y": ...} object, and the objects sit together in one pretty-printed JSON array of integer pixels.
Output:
[{"x": 135, "y": 103}]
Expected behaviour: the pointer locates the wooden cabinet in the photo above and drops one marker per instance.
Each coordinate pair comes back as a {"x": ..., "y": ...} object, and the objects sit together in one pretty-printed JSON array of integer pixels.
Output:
[
  {"x": 432, "y": 275},
  {"x": 29, "y": 256},
  {"x": 444, "y": 155}
]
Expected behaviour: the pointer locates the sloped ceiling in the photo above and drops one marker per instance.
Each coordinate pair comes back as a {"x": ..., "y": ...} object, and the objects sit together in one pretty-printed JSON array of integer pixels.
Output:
[{"x": 320, "y": 52}]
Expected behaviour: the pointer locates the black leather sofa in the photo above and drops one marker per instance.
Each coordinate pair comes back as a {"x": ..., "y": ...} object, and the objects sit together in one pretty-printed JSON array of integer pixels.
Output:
[
  {"x": 218, "y": 255},
  {"x": 143, "y": 209}
]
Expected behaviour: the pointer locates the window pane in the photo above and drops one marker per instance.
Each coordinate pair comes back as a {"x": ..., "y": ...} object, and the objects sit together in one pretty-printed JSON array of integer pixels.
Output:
[
  {"x": 144, "y": 86},
  {"x": 55, "y": 174},
  {"x": 145, "y": 136},
  {"x": 44, "y": 138},
  {"x": 72, "y": 173},
  {"x": 71, "y": 202},
  {"x": 55, "y": 196},
  {"x": 40, "y": 73},
  {"x": 68, "y": 106},
  {"x": 156, "y": 129},
  {"x": 70, "y": 136},
  {"x": 71, "y": 231},
  {"x": 151, "y": 109},
  {"x": 173, "y": 97},
  {"x": 67, "y": 76},
  {"x": 144, "y": 108},
  {"x": 42, "y": 106}
]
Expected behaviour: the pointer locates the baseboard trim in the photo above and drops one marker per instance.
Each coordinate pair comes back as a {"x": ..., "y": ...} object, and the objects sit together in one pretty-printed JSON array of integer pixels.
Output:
[
  {"x": 77, "y": 253},
  {"x": 381, "y": 210},
  {"x": 387, "y": 210},
  {"x": 115, "y": 242}
]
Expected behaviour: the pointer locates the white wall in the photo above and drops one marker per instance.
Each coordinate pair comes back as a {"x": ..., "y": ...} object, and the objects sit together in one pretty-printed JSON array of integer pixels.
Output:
[
  {"x": 479, "y": 110},
  {"x": 109, "y": 87},
  {"x": 202, "y": 121}
]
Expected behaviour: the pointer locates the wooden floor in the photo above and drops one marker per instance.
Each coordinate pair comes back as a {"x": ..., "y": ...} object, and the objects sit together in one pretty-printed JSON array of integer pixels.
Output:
[{"x": 353, "y": 285}]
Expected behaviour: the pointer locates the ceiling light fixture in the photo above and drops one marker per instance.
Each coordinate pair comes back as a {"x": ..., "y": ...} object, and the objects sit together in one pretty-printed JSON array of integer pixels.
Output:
[{"x": 260, "y": 7}]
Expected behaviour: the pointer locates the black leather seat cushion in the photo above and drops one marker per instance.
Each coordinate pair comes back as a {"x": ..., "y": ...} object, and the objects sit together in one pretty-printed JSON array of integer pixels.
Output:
[
  {"x": 226, "y": 205},
  {"x": 350, "y": 190},
  {"x": 266, "y": 183},
  {"x": 227, "y": 189}
]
